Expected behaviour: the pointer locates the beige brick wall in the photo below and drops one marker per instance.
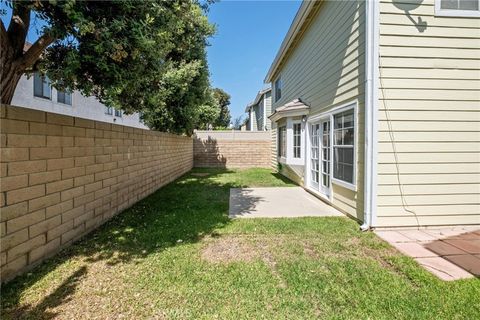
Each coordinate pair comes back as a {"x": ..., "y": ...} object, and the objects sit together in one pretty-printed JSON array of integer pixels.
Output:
[
  {"x": 62, "y": 177},
  {"x": 232, "y": 149}
]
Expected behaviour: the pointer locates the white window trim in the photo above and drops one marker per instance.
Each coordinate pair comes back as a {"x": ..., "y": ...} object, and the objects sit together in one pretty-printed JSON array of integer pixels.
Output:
[
  {"x": 348, "y": 185},
  {"x": 281, "y": 158},
  {"x": 279, "y": 80},
  {"x": 65, "y": 104},
  {"x": 454, "y": 13},
  {"x": 43, "y": 97},
  {"x": 290, "y": 159},
  {"x": 351, "y": 186},
  {"x": 330, "y": 114},
  {"x": 317, "y": 118}
]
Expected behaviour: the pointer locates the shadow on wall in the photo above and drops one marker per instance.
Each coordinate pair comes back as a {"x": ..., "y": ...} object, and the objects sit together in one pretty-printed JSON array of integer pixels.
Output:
[
  {"x": 410, "y": 6},
  {"x": 207, "y": 153}
]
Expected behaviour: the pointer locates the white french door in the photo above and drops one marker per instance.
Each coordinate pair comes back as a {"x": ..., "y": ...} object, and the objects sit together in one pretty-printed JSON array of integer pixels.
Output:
[
  {"x": 320, "y": 156},
  {"x": 325, "y": 158},
  {"x": 314, "y": 155}
]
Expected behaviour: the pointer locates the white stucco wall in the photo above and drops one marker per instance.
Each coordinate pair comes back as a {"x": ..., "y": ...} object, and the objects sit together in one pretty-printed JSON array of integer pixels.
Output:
[{"x": 82, "y": 107}]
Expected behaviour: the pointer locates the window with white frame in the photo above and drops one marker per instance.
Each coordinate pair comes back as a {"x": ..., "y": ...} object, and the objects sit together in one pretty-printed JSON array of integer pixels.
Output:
[
  {"x": 118, "y": 113},
  {"x": 297, "y": 140},
  {"x": 460, "y": 8},
  {"x": 41, "y": 86},
  {"x": 109, "y": 110},
  {"x": 282, "y": 141},
  {"x": 278, "y": 89},
  {"x": 64, "y": 97},
  {"x": 343, "y": 146}
]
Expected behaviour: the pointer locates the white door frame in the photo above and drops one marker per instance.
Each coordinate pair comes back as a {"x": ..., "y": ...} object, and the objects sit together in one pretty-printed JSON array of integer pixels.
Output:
[{"x": 327, "y": 193}]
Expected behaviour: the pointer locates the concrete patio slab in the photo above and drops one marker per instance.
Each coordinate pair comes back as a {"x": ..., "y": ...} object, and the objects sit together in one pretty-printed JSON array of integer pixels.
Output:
[
  {"x": 287, "y": 202},
  {"x": 448, "y": 253}
]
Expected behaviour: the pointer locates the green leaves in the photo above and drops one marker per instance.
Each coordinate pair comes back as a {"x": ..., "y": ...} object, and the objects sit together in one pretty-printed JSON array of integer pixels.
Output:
[{"x": 146, "y": 56}]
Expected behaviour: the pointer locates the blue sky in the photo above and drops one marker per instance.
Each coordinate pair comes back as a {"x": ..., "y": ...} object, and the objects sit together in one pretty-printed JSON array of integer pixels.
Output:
[{"x": 249, "y": 34}]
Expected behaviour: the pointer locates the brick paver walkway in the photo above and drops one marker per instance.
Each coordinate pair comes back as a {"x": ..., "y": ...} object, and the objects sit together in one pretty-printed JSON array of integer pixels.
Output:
[{"x": 449, "y": 253}]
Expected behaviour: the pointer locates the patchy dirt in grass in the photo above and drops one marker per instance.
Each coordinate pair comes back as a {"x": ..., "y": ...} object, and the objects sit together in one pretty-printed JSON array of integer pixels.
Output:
[
  {"x": 228, "y": 250},
  {"x": 309, "y": 251},
  {"x": 200, "y": 174}
]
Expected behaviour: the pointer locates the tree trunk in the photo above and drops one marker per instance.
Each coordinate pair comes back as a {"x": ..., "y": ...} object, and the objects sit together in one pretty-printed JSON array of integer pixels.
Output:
[
  {"x": 10, "y": 76},
  {"x": 14, "y": 60}
]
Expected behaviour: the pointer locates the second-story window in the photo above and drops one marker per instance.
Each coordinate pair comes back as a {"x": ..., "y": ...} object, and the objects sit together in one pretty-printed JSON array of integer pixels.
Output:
[
  {"x": 458, "y": 8},
  {"x": 278, "y": 89},
  {"x": 64, "y": 97},
  {"x": 41, "y": 86},
  {"x": 109, "y": 110},
  {"x": 118, "y": 113}
]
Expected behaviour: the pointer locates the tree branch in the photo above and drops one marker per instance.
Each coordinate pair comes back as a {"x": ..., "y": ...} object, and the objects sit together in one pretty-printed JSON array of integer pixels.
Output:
[
  {"x": 3, "y": 38},
  {"x": 32, "y": 54},
  {"x": 18, "y": 27}
]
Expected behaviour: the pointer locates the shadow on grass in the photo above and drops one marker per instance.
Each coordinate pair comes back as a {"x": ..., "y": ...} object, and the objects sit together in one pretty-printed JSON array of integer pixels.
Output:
[
  {"x": 284, "y": 179},
  {"x": 59, "y": 296},
  {"x": 184, "y": 211}
]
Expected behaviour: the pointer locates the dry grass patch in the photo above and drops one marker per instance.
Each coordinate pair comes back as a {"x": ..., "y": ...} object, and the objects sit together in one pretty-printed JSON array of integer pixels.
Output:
[{"x": 228, "y": 249}]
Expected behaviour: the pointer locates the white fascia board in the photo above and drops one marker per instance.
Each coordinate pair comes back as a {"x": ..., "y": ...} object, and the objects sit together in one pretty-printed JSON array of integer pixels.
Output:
[
  {"x": 297, "y": 23},
  {"x": 280, "y": 115},
  {"x": 371, "y": 111}
]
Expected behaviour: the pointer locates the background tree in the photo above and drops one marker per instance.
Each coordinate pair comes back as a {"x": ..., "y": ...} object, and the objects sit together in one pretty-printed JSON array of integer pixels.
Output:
[
  {"x": 132, "y": 55},
  {"x": 238, "y": 122},
  {"x": 223, "y": 101}
]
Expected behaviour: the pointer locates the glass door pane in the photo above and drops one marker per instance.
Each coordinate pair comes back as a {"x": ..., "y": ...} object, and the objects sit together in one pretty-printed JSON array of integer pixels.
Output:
[
  {"x": 325, "y": 157},
  {"x": 314, "y": 155}
]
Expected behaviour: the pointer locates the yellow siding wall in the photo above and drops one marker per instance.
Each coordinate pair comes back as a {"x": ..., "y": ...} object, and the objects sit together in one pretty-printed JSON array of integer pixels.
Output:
[
  {"x": 429, "y": 118},
  {"x": 326, "y": 69}
]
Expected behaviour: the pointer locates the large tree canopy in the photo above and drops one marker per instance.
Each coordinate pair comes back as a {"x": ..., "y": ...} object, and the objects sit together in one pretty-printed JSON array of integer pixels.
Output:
[
  {"x": 212, "y": 112},
  {"x": 132, "y": 55}
]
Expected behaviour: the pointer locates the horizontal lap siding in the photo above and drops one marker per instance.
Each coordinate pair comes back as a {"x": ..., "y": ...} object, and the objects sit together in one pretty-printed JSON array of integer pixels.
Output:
[
  {"x": 259, "y": 116},
  {"x": 253, "y": 119},
  {"x": 62, "y": 177},
  {"x": 429, "y": 119},
  {"x": 326, "y": 69},
  {"x": 268, "y": 103},
  {"x": 273, "y": 146}
]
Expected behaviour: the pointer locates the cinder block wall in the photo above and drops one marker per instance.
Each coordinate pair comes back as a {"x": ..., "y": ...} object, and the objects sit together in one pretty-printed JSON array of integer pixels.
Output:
[
  {"x": 62, "y": 177},
  {"x": 232, "y": 149}
]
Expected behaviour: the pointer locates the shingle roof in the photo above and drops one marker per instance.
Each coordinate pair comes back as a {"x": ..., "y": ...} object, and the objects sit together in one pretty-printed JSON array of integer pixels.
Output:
[
  {"x": 296, "y": 104},
  {"x": 293, "y": 108}
]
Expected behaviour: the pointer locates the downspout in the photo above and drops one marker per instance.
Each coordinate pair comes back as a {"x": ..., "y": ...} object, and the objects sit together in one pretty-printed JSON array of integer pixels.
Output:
[{"x": 372, "y": 16}]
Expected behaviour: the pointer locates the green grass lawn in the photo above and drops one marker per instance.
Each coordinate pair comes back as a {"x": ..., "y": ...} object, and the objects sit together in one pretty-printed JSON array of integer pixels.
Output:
[{"x": 176, "y": 255}]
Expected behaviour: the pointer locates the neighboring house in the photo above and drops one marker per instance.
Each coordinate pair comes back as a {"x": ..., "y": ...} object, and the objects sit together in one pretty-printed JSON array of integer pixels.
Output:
[
  {"x": 35, "y": 92},
  {"x": 259, "y": 110},
  {"x": 377, "y": 109}
]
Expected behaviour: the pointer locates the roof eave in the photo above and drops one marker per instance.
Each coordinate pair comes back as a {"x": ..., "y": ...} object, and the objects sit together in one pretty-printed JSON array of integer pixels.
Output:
[
  {"x": 293, "y": 113},
  {"x": 297, "y": 23}
]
